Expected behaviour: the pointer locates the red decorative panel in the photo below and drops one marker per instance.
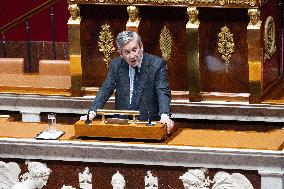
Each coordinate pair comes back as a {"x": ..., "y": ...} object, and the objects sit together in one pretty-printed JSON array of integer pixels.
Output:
[
  {"x": 153, "y": 19},
  {"x": 94, "y": 68},
  {"x": 214, "y": 77},
  {"x": 272, "y": 68},
  {"x": 40, "y": 24}
]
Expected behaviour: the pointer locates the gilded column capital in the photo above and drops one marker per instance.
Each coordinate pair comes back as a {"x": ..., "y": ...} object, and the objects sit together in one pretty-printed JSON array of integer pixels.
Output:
[
  {"x": 193, "y": 21},
  {"x": 254, "y": 22},
  {"x": 75, "y": 14},
  {"x": 134, "y": 19}
]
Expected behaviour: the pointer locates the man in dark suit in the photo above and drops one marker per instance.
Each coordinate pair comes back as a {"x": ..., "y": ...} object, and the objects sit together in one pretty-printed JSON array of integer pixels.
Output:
[{"x": 140, "y": 80}]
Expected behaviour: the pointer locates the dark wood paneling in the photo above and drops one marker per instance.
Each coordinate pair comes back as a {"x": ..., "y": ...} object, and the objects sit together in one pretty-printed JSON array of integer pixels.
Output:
[
  {"x": 93, "y": 17},
  {"x": 39, "y": 50},
  {"x": 273, "y": 68},
  {"x": 213, "y": 67},
  {"x": 152, "y": 22},
  {"x": 153, "y": 19}
]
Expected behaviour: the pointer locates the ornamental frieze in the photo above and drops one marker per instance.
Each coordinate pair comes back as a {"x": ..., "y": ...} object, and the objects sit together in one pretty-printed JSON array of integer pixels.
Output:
[{"x": 229, "y": 3}]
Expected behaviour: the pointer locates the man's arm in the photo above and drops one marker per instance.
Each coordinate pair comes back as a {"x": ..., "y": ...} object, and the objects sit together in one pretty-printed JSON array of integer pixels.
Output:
[
  {"x": 106, "y": 90},
  {"x": 164, "y": 96},
  {"x": 162, "y": 89}
]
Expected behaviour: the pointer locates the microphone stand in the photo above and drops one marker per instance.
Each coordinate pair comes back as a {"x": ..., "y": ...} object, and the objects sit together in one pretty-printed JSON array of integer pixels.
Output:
[
  {"x": 88, "y": 121},
  {"x": 149, "y": 120}
]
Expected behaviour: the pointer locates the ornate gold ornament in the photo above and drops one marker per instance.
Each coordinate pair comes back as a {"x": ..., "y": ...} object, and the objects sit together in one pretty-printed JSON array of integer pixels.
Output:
[
  {"x": 193, "y": 21},
  {"x": 222, "y": 2},
  {"x": 252, "y": 3},
  {"x": 165, "y": 43},
  {"x": 134, "y": 19},
  {"x": 75, "y": 14},
  {"x": 238, "y": 3},
  {"x": 254, "y": 19},
  {"x": 226, "y": 44},
  {"x": 106, "y": 43},
  {"x": 269, "y": 38}
]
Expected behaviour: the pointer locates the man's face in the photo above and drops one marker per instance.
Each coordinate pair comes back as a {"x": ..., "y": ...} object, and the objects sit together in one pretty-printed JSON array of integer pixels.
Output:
[{"x": 132, "y": 53}]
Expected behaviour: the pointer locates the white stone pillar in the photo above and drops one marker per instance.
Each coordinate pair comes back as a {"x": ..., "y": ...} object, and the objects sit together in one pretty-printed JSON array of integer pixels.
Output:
[{"x": 271, "y": 179}]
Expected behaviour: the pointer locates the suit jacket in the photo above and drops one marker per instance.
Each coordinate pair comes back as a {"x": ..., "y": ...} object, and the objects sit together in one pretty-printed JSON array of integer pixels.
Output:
[{"x": 154, "y": 95}]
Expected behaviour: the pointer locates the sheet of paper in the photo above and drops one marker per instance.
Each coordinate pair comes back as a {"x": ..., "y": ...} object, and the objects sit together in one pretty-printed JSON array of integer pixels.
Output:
[{"x": 47, "y": 135}]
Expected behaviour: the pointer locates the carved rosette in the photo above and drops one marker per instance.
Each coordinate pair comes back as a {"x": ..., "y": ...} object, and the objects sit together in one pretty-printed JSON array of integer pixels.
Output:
[
  {"x": 165, "y": 43},
  {"x": 106, "y": 43},
  {"x": 226, "y": 44},
  {"x": 269, "y": 38}
]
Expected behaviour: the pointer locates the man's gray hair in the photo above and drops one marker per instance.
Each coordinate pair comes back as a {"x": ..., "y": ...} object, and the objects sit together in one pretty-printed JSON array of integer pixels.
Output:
[{"x": 124, "y": 37}]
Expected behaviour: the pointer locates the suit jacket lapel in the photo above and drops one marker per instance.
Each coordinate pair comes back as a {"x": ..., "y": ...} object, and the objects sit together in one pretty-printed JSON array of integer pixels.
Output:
[
  {"x": 143, "y": 73},
  {"x": 124, "y": 76}
]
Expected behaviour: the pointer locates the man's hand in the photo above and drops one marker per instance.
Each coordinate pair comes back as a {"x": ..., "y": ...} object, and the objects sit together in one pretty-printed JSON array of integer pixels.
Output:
[
  {"x": 165, "y": 119},
  {"x": 92, "y": 115}
]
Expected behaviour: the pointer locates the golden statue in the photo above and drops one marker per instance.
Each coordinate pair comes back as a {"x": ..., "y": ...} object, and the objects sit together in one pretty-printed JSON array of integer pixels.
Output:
[
  {"x": 254, "y": 18},
  {"x": 193, "y": 21},
  {"x": 75, "y": 14},
  {"x": 134, "y": 19}
]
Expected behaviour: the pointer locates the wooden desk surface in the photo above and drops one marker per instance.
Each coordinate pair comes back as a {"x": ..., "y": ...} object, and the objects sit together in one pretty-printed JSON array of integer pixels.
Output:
[
  {"x": 30, "y": 130},
  {"x": 272, "y": 140}
]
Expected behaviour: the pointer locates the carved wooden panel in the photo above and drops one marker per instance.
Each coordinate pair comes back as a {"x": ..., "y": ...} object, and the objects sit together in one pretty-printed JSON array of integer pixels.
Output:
[
  {"x": 215, "y": 77},
  {"x": 95, "y": 70},
  {"x": 272, "y": 68},
  {"x": 93, "y": 17},
  {"x": 153, "y": 20}
]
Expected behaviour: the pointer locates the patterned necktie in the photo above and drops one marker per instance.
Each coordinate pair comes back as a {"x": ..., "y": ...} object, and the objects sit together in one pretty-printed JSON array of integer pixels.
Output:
[{"x": 135, "y": 92}]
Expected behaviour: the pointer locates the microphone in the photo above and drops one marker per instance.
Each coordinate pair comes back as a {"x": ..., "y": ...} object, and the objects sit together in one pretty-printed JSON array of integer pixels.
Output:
[
  {"x": 149, "y": 120},
  {"x": 88, "y": 121},
  {"x": 148, "y": 114}
]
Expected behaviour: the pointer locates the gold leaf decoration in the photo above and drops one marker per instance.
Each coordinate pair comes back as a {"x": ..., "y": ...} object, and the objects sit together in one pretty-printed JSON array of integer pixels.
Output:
[
  {"x": 269, "y": 38},
  {"x": 165, "y": 43},
  {"x": 226, "y": 44},
  {"x": 228, "y": 3},
  {"x": 106, "y": 43}
]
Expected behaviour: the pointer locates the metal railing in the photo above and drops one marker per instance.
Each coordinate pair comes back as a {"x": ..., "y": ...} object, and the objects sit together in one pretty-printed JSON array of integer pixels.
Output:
[{"x": 25, "y": 18}]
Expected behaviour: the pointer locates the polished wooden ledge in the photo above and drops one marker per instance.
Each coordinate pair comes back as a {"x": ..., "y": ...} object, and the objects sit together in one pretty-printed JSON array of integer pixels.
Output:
[
  {"x": 270, "y": 140},
  {"x": 181, "y": 109}
]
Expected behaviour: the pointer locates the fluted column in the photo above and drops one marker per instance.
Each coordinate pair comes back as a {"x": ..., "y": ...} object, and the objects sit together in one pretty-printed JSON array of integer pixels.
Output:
[
  {"x": 192, "y": 45},
  {"x": 271, "y": 179},
  {"x": 75, "y": 49},
  {"x": 254, "y": 57}
]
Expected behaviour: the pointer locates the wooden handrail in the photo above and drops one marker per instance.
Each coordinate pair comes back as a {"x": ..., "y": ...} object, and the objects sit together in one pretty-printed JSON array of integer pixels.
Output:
[{"x": 26, "y": 16}]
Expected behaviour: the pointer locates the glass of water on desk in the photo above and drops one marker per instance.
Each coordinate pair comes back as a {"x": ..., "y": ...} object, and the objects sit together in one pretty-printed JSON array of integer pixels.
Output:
[{"x": 51, "y": 119}]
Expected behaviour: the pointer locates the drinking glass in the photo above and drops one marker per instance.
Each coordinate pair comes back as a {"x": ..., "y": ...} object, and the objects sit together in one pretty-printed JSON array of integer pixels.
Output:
[{"x": 51, "y": 118}]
